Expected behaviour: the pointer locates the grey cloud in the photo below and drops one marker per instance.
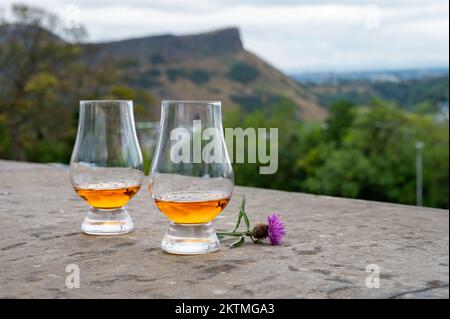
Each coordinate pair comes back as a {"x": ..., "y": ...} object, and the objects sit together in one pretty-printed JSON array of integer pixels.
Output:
[{"x": 292, "y": 35}]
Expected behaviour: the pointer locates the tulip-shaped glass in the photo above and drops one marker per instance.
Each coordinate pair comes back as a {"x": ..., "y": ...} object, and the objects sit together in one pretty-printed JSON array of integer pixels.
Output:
[
  {"x": 106, "y": 167},
  {"x": 191, "y": 178}
]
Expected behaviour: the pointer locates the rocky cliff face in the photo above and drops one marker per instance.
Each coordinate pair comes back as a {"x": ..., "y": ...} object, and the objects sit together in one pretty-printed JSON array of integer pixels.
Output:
[{"x": 170, "y": 48}]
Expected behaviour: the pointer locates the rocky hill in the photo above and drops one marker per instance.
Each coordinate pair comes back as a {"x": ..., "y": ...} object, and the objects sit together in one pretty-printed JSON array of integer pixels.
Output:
[{"x": 208, "y": 66}]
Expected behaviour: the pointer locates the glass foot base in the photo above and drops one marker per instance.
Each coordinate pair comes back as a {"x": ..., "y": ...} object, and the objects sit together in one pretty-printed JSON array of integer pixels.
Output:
[
  {"x": 107, "y": 222},
  {"x": 190, "y": 239}
]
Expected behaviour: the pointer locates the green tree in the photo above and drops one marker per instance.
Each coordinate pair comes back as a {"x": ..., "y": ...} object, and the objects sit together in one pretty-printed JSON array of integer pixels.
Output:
[
  {"x": 32, "y": 82},
  {"x": 42, "y": 78},
  {"x": 360, "y": 152},
  {"x": 376, "y": 159},
  {"x": 340, "y": 119},
  {"x": 243, "y": 72}
]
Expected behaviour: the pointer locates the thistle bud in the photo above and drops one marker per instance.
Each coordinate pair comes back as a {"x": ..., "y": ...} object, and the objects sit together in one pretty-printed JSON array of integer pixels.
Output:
[{"x": 260, "y": 231}]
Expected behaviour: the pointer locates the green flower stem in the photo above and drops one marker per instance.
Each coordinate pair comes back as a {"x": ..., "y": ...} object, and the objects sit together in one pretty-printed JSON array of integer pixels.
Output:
[
  {"x": 241, "y": 235},
  {"x": 235, "y": 234}
]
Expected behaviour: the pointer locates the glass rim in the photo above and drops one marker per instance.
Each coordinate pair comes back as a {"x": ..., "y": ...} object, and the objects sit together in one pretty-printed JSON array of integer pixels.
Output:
[
  {"x": 165, "y": 102},
  {"x": 105, "y": 101}
]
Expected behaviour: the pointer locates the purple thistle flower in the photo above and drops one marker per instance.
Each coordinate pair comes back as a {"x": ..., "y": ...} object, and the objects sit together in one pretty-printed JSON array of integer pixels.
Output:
[{"x": 276, "y": 229}]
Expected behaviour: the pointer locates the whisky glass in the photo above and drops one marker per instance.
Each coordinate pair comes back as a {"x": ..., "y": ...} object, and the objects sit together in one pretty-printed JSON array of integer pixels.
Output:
[
  {"x": 191, "y": 178},
  {"x": 106, "y": 167}
]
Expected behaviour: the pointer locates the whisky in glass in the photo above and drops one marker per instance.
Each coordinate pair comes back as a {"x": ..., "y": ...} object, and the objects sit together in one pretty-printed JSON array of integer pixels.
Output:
[
  {"x": 106, "y": 167},
  {"x": 191, "y": 178}
]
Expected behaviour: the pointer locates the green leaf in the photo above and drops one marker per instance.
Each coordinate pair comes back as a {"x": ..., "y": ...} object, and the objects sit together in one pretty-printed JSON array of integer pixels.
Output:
[
  {"x": 235, "y": 234},
  {"x": 243, "y": 201},
  {"x": 255, "y": 241},
  {"x": 238, "y": 242},
  {"x": 238, "y": 223},
  {"x": 244, "y": 214}
]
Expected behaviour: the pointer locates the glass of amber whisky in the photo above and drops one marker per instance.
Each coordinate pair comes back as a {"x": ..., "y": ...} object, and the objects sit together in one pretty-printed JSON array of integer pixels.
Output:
[
  {"x": 191, "y": 178},
  {"x": 106, "y": 167}
]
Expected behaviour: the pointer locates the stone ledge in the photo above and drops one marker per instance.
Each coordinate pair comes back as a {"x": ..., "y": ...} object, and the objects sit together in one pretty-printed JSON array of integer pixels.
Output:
[{"x": 330, "y": 242}]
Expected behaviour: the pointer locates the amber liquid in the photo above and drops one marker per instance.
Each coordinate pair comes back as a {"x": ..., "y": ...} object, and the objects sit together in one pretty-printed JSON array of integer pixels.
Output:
[
  {"x": 108, "y": 198},
  {"x": 192, "y": 212}
]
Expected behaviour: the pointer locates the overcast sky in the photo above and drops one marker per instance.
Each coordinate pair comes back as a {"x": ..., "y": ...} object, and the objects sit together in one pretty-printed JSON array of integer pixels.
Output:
[{"x": 295, "y": 36}]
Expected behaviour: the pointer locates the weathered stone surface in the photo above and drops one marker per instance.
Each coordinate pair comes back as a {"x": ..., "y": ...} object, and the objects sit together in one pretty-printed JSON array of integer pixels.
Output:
[{"x": 330, "y": 242}]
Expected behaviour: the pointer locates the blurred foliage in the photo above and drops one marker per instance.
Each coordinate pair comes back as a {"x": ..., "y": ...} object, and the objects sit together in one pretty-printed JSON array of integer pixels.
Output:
[
  {"x": 251, "y": 102},
  {"x": 157, "y": 59},
  {"x": 199, "y": 76},
  {"x": 243, "y": 72},
  {"x": 360, "y": 152},
  {"x": 421, "y": 95},
  {"x": 42, "y": 79},
  {"x": 174, "y": 73}
]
